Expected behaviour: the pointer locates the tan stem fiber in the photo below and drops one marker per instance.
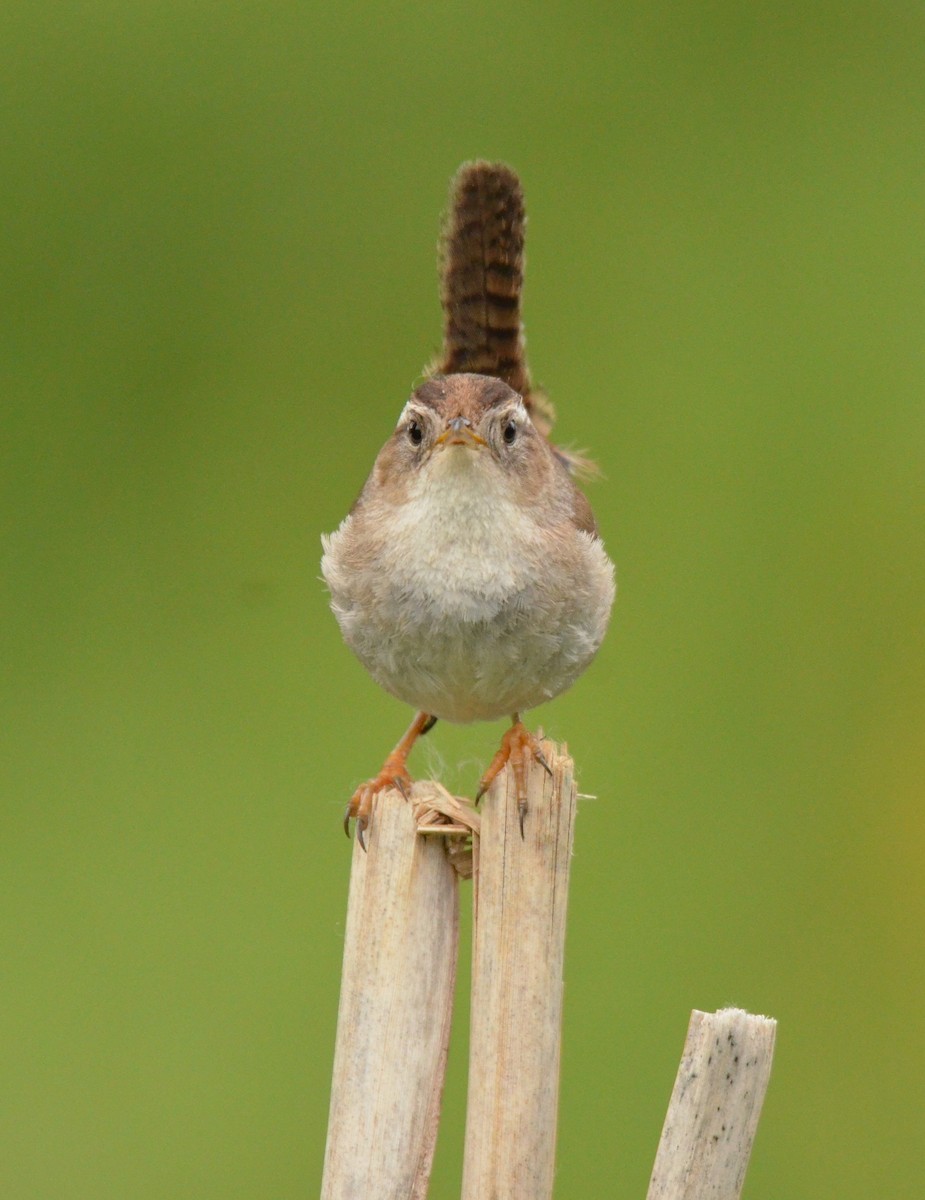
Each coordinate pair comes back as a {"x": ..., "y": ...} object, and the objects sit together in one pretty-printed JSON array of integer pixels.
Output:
[
  {"x": 521, "y": 889},
  {"x": 393, "y": 1023}
]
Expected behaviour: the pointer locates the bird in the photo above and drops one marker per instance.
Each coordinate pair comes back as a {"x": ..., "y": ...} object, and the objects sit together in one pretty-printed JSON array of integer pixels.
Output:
[{"x": 469, "y": 577}]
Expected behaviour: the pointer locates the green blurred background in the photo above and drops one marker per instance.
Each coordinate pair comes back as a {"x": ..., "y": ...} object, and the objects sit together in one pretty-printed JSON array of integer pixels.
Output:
[{"x": 217, "y": 230}]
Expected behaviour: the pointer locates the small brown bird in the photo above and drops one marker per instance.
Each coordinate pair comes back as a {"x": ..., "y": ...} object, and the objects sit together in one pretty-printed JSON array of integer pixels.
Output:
[{"x": 468, "y": 577}]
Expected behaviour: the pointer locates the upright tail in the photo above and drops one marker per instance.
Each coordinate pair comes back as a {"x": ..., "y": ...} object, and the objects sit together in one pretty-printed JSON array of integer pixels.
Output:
[{"x": 482, "y": 275}]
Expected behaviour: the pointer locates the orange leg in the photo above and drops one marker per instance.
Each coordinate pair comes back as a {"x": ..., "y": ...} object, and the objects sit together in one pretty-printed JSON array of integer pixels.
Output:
[
  {"x": 394, "y": 773},
  {"x": 518, "y": 746}
]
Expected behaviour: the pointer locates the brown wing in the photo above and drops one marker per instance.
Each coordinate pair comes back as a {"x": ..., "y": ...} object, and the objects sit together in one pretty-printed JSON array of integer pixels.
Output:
[{"x": 582, "y": 516}]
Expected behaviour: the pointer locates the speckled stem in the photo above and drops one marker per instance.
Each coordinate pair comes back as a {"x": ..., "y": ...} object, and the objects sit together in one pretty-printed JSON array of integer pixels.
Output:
[{"x": 715, "y": 1106}]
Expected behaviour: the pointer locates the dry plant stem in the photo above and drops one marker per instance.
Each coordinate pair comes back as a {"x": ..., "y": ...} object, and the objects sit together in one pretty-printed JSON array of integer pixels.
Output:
[
  {"x": 521, "y": 889},
  {"x": 393, "y": 1023},
  {"x": 715, "y": 1106}
]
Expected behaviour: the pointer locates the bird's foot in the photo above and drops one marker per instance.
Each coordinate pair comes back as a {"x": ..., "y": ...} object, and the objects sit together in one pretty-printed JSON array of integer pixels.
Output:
[
  {"x": 518, "y": 746},
  {"x": 394, "y": 774}
]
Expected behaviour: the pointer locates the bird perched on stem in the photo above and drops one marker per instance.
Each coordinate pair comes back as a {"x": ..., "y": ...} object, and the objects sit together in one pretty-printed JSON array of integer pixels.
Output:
[{"x": 469, "y": 577}]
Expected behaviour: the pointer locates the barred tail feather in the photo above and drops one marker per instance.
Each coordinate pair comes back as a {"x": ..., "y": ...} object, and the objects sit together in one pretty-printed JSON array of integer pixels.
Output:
[
  {"x": 481, "y": 280},
  {"x": 482, "y": 275}
]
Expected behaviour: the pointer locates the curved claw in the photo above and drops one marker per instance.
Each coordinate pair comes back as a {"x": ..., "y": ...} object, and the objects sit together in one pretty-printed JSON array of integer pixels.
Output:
[
  {"x": 541, "y": 759},
  {"x": 518, "y": 745},
  {"x": 363, "y": 800},
  {"x": 359, "y": 808},
  {"x": 393, "y": 774}
]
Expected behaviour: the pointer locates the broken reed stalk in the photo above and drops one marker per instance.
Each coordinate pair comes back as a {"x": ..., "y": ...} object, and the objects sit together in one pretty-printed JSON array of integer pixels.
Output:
[
  {"x": 393, "y": 1023},
  {"x": 714, "y": 1109},
  {"x": 520, "y": 899},
  {"x": 396, "y": 1000}
]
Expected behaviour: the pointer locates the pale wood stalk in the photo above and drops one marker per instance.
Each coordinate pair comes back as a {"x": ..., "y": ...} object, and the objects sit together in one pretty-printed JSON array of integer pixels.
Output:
[
  {"x": 714, "y": 1109},
  {"x": 520, "y": 895},
  {"x": 393, "y": 1023}
]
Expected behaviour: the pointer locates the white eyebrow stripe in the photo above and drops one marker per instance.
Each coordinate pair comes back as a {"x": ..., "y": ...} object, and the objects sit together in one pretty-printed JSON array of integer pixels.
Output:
[{"x": 417, "y": 410}]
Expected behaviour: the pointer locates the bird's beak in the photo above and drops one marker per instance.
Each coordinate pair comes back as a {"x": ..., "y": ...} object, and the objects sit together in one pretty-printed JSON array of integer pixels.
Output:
[{"x": 459, "y": 432}]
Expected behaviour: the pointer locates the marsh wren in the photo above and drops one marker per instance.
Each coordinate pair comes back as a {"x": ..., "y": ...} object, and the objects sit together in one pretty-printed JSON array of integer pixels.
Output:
[{"x": 468, "y": 577}]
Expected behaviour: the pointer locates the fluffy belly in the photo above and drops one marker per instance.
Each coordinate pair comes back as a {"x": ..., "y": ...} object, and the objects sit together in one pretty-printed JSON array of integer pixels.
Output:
[
  {"x": 463, "y": 605},
  {"x": 477, "y": 669}
]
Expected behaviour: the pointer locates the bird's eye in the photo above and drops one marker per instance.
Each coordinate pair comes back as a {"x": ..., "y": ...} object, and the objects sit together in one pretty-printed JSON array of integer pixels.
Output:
[
  {"x": 510, "y": 433},
  {"x": 415, "y": 433}
]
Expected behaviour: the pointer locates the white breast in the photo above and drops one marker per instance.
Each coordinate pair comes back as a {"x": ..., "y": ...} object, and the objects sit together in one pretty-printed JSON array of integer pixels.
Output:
[
  {"x": 464, "y": 545},
  {"x": 466, "y": 613}
]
